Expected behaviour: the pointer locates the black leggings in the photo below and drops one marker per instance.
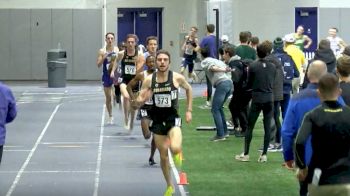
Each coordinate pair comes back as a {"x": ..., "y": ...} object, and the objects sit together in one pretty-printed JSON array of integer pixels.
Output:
[
  {"x": 209, "y": 88},
  {"x": 253, "y": 115}
]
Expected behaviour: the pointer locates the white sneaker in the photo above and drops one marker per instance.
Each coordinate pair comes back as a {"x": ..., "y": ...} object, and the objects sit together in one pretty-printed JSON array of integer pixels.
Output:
[
  {"x": 262, "y": 158},
  {"x": 242, "y": 157},
  {"x": 110, "y": 120},
  {"x": 207, "y": 104}
]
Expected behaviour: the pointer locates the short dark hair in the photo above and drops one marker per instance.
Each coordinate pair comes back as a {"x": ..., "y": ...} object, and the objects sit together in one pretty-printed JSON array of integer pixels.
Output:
[
  {"x": 195, "y": 28},
  {"x": 328, "y": 84},
  {"x": 109, "y": 33},
  {"x": 324, "y": 44},
  {"x": 264, "y": 49},
  {"x": 244, "y": 37},
  {"x": 132, "y": 36},
  {"x": 230, "y": 50},
  {"x": 205, "y": 52},
  {"x": 210, "y": 28},
  {"x": 254, "y": 40},
  {"x": 335, "y": 28},
  {"x": 343, "y": 66},
  {"x": 163, "y": 52},
  {"x": 151, "y": 38}
]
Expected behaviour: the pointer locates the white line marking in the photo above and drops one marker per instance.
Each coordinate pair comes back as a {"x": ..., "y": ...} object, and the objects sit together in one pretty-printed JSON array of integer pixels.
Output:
[
  {"x": 123, "y": 136},
  {"x": 25, "y": 164},
  {"x": 176, "y": 174},
  {"x": 53, "y": 143},
  {"x": 99, "y": 154},
  {"x": 49, "y": 171}
]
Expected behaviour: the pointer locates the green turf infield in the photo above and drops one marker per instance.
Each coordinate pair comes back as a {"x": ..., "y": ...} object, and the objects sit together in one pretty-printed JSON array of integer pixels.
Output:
[{"x": 212, "y": 170}]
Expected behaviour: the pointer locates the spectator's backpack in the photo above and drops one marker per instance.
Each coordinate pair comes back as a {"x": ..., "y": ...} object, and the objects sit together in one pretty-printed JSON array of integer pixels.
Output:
[
  {"x": 245, "y": 70},
  {"x": 289, "y": 68}
]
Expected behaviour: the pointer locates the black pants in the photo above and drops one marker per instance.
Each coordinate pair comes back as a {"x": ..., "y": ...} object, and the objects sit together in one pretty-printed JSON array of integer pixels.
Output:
[
  {"x": 209, "y": 88},
  {"x": 239, "y": 109},
  {"x": 1, "y": 149},
  {"x": 255, "y": 109},
  {"x": 276, "y": 123}
]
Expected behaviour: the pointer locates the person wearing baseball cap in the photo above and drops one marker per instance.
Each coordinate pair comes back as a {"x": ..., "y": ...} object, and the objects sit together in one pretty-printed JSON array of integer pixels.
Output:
[
  {"x": 298, "y": 58},
  {"x": 225, "y": 43}
]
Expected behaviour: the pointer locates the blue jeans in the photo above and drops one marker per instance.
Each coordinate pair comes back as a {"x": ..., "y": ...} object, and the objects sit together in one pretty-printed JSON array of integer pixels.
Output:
[{"x": 222, "y": 91}]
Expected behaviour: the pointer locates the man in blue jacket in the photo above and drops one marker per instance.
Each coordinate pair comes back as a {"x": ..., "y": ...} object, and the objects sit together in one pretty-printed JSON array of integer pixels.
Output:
[
  {"x": 8, "y": 112},
  {"x": 299, "y": 105}
]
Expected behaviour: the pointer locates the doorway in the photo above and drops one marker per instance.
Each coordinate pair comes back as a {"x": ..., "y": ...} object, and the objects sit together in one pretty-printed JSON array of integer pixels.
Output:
[
  {"x": 307, "y": 17},
  {"x": 143, "y": 22}
]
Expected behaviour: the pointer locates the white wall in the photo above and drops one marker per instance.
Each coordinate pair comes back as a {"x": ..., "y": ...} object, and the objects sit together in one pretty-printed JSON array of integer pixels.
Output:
[
  {"x": 265, "y": 19},
  {"x": 334, "y": 3},
  {"x": 176, "y": 12}
]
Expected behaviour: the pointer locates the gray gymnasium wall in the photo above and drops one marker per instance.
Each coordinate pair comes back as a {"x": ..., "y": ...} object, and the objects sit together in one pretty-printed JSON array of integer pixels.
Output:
[
  {"x": 27, "y": 34},
  {"x": 334, "y": 17}
]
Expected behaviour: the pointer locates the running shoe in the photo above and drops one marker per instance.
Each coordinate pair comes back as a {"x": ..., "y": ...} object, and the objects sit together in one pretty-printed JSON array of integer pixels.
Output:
[
  {"x": 151, "y": 161},
  {"x": 169, "y": 191},
  {"x": 242, "y": 157},
  {"x": 262, "y": 158}
]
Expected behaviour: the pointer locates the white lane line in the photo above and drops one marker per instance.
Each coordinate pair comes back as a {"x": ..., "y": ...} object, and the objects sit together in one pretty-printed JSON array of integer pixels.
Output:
[
  {"x": 48, "y": 171},
  {"x": 25, "y": 164},
  {"x": 176, "y": 174},
  {"x": 123, "y": 136},
  {"x": 99, "y": 154},
  {"x": 72, "y": 143}
]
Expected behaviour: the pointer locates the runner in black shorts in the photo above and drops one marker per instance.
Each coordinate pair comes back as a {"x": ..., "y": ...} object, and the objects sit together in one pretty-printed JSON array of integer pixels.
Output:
[
  {"x": 131, "y": 64},
  {"x": 145, "y": 110},
  {"x": 163, "y": 86}
]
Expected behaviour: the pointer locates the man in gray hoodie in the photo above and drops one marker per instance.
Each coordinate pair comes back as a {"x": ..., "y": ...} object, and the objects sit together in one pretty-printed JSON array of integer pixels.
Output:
[{"x": 217, "y": 72}]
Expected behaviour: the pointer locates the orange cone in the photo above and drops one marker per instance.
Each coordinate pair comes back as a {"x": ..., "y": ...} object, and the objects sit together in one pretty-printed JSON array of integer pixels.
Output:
[
  {"x": 205, "y": 93},
  {"x": 183, "y": 179}
]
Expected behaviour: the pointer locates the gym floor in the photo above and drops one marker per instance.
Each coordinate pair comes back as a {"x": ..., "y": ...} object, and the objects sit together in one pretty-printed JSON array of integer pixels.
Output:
[{"x": 60, "y": 144}]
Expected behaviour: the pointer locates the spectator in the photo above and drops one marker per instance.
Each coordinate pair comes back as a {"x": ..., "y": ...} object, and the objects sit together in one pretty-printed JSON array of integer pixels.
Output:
[
  {"x": 240, "y": 96},
  {"x": 325, "y": 54},
  {"x": 298, "y": 106},
  {"x": 8, "y": 113},
  {"x": 337, "y": 44},
  {"x": 225, "y": 43},
  {"x": 253, "y": 42},
  {"x": 329, "y": 127},
  {"x": 298, "y": 58},
  {"x": 261, "y": 78},
  {"x": 302, "y": 41},
  {"x": 209, "y": 41},
  {"x": 343, "y": 72},
  {"x": 216, "y": 71},
  {"x": 244, "y": 50}
]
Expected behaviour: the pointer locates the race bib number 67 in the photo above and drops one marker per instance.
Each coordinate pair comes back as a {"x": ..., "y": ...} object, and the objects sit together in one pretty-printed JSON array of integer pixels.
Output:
[{"x": 162, "y": 100}]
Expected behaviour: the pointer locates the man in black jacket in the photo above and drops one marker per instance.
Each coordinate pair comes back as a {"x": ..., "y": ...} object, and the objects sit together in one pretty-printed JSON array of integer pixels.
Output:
[
  {"x": 240, "y": 97},
  {"x": 261, "y": 78},
  {"x": 328, "y": 126},
  {"x": 325, "y": 54}
]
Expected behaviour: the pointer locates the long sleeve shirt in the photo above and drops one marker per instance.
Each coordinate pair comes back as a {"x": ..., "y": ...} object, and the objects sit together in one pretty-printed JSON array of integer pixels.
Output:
[
  {"x": 329, "y": 127},
  {"x": 8, "y": 110}
]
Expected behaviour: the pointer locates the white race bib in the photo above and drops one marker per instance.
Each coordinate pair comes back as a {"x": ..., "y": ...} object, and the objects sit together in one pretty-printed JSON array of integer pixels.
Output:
[
  {"x": 163, "y": 100},
  {"x": 149, "y": 101},
  {"x": 129, "y": 69},
  {"x": 189, "y": 50},
  {"x": 143, "y": 113}
]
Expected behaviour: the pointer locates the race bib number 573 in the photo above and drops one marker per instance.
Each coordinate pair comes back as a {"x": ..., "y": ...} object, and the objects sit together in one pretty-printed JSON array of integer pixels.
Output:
[
  {"x": 162, "y": 100},
  {"x": 131, "y": 70}
]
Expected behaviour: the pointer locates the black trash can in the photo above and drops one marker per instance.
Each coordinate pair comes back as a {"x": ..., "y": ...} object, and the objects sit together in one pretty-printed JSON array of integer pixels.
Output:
[{"x": 56, "y": 68}]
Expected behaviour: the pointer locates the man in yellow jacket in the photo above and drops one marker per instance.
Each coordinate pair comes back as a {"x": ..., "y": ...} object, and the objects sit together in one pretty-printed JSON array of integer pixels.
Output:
[{"x": 298, "y": 58}]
